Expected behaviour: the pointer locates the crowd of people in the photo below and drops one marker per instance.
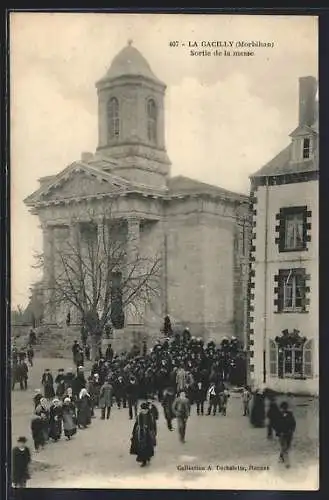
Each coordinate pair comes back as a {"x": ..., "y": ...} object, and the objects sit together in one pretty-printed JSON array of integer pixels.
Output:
[{"x": 178, "y": 372}]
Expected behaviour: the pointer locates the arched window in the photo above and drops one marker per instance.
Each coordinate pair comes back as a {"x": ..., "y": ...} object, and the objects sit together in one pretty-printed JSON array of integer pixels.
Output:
[
  {"x": 291, "y": 356},
  {"x": 152, "y": 120},
  {"x": 113, "y": 118}
]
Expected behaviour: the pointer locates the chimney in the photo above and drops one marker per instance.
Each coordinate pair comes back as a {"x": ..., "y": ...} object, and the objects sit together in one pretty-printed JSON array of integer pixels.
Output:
[
  {"x": 86, "y": 156},
  {"x": 308, "y": 87}
]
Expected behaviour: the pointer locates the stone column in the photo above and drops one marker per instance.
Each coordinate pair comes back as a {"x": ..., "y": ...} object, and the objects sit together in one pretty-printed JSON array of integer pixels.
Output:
[
  {"x": 103, "y": 235},
  {"x": 74, "y": 235},
  {"x": 49, "y": 272}
]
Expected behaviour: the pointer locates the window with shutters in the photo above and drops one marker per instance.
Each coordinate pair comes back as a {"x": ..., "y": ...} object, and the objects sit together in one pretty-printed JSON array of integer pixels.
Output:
[
  {"x": 113, "y": 118},
  {"x": 291, "y": 356},
  {"x": 293, "y": 229},
  {"x": 291, "y": 290}
]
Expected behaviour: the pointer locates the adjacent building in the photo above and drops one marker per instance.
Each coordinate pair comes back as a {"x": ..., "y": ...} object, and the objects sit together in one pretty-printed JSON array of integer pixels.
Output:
[
  {"x": 283, "y": 286},
  {"x": 201, "y": 231}
]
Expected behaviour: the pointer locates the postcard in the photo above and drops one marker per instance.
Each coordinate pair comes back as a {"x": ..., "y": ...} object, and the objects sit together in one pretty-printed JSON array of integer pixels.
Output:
[{"x": 164, "y": 251}]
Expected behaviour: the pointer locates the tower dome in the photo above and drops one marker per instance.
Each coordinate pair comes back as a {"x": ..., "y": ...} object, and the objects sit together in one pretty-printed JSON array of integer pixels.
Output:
[{"x": 130, "y": 62}]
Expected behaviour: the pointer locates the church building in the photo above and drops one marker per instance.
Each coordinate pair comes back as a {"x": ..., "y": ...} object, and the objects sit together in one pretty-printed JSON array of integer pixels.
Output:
[
  {"x": 284, "y": 276},
  {"x": 201, "y": 231}
]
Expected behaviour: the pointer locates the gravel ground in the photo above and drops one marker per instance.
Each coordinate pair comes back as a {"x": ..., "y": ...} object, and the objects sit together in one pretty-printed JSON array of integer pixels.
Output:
[{"x": 98, "y": 457}]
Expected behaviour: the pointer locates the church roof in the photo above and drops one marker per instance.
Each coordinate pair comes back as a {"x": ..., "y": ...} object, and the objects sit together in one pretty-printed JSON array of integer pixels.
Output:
[
  {"x": 102, "y": 183},
  {"x": 130, "y": 62},
  {"x": 181, "y": 185},
  {"x": 281, "y": 164}
]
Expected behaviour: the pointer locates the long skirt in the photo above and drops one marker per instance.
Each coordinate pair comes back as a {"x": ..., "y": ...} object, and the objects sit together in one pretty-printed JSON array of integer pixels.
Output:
[
  {"x": 49, "y": 391},
  {"x": 257, "y": 414},
  {"x": 143, "y": 448},
  {"x": 55, "y": 429},
  {"x": 84, "y": 414},
  {"x": 69, "y": 425}
]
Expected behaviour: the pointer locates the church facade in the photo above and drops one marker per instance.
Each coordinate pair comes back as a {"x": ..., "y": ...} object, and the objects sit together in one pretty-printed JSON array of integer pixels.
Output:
[
  {"x": 284, "y": 277},
  {"x": 201, "y": 231}
]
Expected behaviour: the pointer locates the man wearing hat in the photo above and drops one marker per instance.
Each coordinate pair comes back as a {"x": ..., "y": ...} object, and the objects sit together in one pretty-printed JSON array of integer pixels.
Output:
[{"x": 21, "y": 458}]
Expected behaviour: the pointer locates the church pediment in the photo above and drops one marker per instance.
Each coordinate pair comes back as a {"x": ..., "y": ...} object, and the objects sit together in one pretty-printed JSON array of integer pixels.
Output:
[
  {"x": 78, "y": 181},
  {"x": 302, "y": 131}
]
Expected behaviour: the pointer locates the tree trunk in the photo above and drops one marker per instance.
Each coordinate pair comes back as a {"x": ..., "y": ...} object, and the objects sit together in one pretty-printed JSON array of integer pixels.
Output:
[{"x": 95, "y": 345}]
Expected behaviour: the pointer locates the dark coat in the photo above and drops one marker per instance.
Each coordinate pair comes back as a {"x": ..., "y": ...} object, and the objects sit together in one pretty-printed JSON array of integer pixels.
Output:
[
  {"x": 199, "y": 392},
  {"x": 257, "y": 414},
  {"x": 69, "y": 419},
  {"x": 84, "y": 411},
  {"x": 273, "y": 414},
  {"x": 79, "y": 383},
  {"x": 20, "y": 465},
  {"x": 48, "y": 384},
  {"x": 55, "y": 422},
  {"x": 143, "y": 438},
  {"x": 286, "y": 424},
  {"x": 37, "y": 431}
]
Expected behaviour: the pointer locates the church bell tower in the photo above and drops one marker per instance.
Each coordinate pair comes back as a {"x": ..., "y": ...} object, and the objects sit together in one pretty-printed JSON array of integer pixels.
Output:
[{"x": 131, "y": 119}]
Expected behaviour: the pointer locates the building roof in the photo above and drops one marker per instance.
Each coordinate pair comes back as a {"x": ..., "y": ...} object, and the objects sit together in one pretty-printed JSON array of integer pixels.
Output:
[
  {"x": 281, "y": 164},
  {"x": 130, "y": 62},
  {"x": 184, "y": 185},
  {"x": 108, "y": 184}
]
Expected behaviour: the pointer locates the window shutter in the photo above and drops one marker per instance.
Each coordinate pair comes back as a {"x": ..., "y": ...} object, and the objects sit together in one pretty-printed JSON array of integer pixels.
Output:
[
  {"x": 308, "y": 354},
  {"x": 273, "y": 358},
  {"x": 281, "y": 230},
  {"x": 282, "y": 275},
  {"x": 305, "y": 227}
]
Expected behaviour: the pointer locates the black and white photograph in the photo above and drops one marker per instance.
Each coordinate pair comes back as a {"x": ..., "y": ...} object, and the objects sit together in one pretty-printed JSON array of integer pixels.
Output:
[{"x": 164, "y": 187}]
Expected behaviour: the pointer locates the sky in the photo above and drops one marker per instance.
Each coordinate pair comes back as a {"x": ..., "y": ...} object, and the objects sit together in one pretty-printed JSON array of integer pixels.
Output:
[{"x": 225, "y": 116}]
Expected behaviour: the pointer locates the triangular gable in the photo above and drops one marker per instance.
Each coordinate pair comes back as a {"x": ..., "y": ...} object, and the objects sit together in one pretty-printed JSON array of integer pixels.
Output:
[
  {"x": 78, "y": 180},
  {"x": 302, "y": 131}
]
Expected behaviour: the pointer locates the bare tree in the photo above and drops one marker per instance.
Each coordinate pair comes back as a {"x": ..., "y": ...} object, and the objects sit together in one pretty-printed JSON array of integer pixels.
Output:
[{"x": 102, "y": 272}]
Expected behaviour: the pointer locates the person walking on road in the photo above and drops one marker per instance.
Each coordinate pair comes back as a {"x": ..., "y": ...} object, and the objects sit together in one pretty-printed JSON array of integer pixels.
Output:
[
  {"x": 21, "y": 458},
  {"x": 246, "y": 398},
  {"x": 105, "y": 399},
  {"x": 182, "y": 408},
  {"x": 143, "y": 440},
  {"x": 168, "y": 399},
  {"x": 285, "y": 428}
]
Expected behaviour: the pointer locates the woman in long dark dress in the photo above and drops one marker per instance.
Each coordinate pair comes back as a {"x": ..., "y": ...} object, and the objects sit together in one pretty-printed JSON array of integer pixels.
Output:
[
  {"x": 43, "y": 410},
  {"x": 69, "y": 418},
  {"x": 37, "y": 429},
  {"x": 84, "y": 409},
  {"x": 55, "y": 420},
  {"x": 257, "y": 414},
  {"x": 143, "y": 436}
]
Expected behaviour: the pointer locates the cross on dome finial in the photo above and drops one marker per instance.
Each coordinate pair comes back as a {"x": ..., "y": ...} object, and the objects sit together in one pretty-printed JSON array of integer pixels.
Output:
[{"x": 130, "y": 42}]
